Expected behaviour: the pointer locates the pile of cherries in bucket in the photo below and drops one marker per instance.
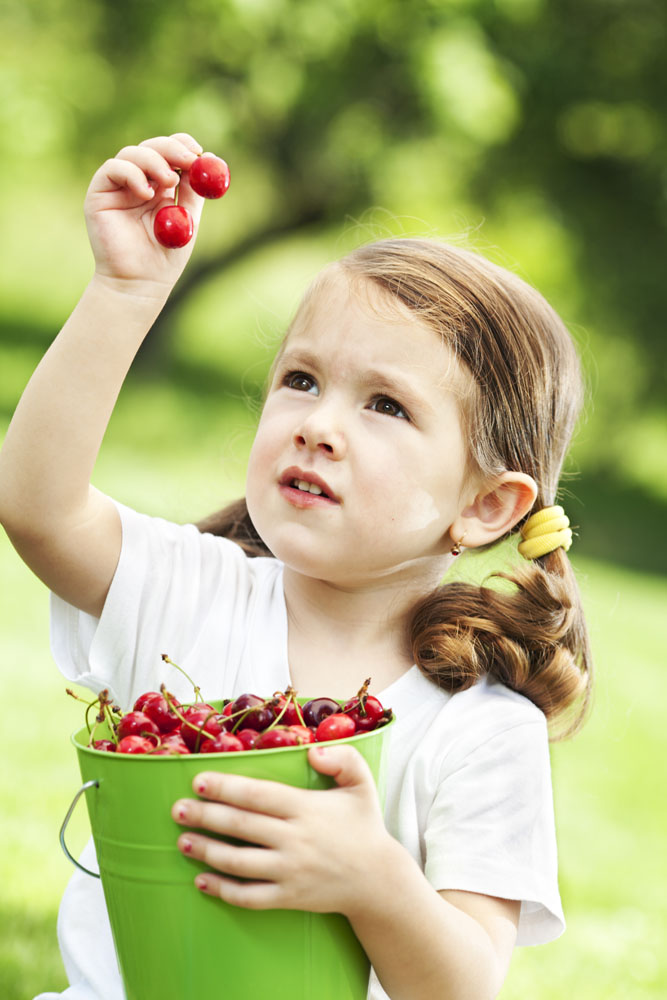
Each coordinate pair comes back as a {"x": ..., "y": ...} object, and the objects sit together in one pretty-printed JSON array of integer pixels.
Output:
[{"x": 160, "y": 725}]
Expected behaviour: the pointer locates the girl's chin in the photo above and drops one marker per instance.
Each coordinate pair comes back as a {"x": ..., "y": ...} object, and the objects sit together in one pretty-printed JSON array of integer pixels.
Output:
[{"x": 308, "y": 561}]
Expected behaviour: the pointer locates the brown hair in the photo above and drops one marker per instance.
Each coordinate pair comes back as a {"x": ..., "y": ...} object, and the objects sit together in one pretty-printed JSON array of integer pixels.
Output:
[{"x": 520, "y": 415}]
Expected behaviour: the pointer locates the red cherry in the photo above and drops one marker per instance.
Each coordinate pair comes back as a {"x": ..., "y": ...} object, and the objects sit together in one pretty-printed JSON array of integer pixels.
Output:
[
  {"x": 197, "y": 705},
  {"x": 251, "y": 712},
  {"x": 200, "y": 720},
  {"x": 317, "y": 709},
  {"x": 248, "y": 738},
  {"x": 289, "y": 712},
  {"x": 173, "y": 226},
  {"x": 370, "y": 706},
  {"x": 171, "y": 750},
  {"x": 209, "y": 176},
  {"x": 365, "y": 710},
  {"x": 363, "y": 723},
  {"x": 136, "y": 724},
  {"x": 173, "y": 737},
  {"x": 365, "y": 713},
  {"x": 223, "y": 743},
  {"x": 335, "y": 727},
  {"x": 142, "y": 699},
  {"x": 281, "y": 736},
  {"x": 174, "y": 743},
  {"x": 104, "y": 745},
  {"x": 135, "y": 744},
  {"x": 305, "y": 733},
  {"x": 157, "y": 708}
]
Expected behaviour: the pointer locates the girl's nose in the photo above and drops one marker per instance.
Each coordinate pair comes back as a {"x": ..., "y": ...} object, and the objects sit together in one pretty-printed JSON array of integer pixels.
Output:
[{"x": 319, "y": 433}]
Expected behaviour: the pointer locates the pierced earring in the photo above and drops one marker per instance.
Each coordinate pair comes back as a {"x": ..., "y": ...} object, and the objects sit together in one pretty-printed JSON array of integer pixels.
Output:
[{"x": 457, "y": 546}]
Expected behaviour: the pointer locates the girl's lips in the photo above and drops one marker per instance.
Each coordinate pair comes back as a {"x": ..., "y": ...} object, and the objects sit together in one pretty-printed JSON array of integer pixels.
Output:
[{"x": 294, "y": 477}]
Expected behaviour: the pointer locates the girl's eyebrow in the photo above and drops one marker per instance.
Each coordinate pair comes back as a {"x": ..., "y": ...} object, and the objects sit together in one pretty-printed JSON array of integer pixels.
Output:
[
  {"x": 297, "y": 357},
  {"x": 397, "y": 388}
]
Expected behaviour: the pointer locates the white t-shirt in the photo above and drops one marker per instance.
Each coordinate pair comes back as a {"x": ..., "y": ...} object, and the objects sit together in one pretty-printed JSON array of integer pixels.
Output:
[{"x": 468, "y": 785}]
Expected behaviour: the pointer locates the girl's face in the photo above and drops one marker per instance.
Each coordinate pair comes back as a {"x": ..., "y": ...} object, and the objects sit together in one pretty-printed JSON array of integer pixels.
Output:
[{"x": 358, "y": 466}]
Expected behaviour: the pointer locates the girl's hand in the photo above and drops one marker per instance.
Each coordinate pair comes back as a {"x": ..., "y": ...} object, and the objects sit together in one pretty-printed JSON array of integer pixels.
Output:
[
  {"x": 120, "y": 207},
  {"x": 307, "y": 850}
]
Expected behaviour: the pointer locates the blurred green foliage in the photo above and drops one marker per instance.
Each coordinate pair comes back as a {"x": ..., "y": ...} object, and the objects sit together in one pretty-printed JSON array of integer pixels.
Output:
[{"x": 532, "y": 129}]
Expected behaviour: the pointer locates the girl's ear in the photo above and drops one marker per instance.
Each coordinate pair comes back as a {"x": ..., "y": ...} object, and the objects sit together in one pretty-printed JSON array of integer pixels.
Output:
[{"x": 495, "y": 512}]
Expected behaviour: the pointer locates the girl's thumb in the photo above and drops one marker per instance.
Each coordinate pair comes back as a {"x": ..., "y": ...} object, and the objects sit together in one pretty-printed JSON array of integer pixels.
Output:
[{"x": 342, "y": 763}]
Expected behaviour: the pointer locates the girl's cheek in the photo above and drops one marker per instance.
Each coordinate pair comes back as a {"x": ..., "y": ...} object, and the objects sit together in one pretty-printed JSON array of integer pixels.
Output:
[{"x": 423, "y": 512}]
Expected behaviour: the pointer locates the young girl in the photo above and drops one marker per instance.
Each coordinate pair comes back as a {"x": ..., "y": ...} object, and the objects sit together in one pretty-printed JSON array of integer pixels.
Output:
[{"x": 422, "y": 401}]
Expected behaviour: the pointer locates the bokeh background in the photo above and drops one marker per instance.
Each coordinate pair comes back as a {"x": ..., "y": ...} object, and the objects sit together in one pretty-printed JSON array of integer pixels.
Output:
[{"x": 531, "y": 130}]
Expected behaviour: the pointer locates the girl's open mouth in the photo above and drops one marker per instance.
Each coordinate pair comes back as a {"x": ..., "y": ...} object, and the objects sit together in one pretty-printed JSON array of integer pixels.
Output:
[{"x": 304, "y": 489}]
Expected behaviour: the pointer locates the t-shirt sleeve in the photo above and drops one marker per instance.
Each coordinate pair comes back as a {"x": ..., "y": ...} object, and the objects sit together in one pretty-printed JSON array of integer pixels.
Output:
[
  {"x": 491, "y": 828},
  {"x": 172, "y": 590}
]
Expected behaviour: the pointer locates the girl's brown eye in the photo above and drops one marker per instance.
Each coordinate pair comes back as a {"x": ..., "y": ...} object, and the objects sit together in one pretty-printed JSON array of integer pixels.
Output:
[
  {"x": 388, "y": 406},
  {"x": 300, "y": 381}
]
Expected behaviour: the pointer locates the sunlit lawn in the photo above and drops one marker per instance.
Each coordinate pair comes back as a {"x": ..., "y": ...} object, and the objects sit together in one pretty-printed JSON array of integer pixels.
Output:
[{"x": 608, "y": 785}]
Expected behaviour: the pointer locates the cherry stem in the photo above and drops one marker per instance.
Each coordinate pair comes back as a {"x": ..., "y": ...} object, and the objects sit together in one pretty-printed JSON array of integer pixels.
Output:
[
  {"x": 362, "y": 695},
  {"x": 289, "y": 695},
  {"x": 198, "y": 694},
  {"x": 169, "y": 698},
  {"x": 243, "y": 713},
  {"x": 108, "y": 711},
  {"x": 171, "y": 701},
  {"x": 278, "y": 717},
  {"x": 77, "y": 697},
  {"x": 88, "y": 704},
  {"x": 297, "y": 707},
  {"x": 91, "y": 734}
]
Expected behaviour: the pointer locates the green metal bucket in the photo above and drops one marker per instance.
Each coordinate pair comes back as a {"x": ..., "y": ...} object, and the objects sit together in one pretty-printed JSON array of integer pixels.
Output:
[{"x": 175, "y": 943}]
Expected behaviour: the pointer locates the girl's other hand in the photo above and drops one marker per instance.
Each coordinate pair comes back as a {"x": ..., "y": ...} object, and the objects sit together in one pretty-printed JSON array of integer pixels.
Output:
[
  {"x": 120, "y": 207},
  {"x": 308, "y": 850}
]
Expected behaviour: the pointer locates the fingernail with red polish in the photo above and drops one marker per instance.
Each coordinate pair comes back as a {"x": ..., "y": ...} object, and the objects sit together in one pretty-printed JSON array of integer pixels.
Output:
[{"x": 200, "y": 882}]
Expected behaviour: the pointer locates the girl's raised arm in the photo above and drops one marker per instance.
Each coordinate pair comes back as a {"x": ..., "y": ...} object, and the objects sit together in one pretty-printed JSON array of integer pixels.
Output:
[{"x": 65, "y": 530}]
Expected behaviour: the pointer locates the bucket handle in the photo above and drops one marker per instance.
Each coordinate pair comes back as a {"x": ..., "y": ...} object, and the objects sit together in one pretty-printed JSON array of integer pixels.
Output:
[{"x": 89, "y": 784}]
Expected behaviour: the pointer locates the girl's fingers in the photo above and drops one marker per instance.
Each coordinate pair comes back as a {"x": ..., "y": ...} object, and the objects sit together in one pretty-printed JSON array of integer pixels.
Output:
[
  {"x": 241, "y": 862},
  {"x": 343, "y": 763},
  {"x": 178, "y": 150},
  {"x": 188, "y": 141},
  {"x": 269, "y": 797},
  {"x": 152, "y": 163},
  {"x": 117, "y": 173},
  {"x": 249, "y": 895},
  {"x": 242, "y": 824}
]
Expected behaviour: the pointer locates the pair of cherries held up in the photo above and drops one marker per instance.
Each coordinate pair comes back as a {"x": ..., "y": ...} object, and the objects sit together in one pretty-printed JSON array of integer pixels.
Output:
[{"x": 209, "y": 178}]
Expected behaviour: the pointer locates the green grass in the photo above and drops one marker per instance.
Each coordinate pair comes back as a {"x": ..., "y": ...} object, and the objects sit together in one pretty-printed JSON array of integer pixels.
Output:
[
  {"x": 609, "y": 797},
  {"x": 610, "y": 809}
]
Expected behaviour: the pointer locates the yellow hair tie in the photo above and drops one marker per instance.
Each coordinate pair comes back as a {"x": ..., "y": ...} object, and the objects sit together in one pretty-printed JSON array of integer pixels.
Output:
[{"x": 545, "y": 531}]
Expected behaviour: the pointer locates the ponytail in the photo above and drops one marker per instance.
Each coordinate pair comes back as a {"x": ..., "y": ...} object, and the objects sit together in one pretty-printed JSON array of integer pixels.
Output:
[{"x": 532, "y": 638}]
